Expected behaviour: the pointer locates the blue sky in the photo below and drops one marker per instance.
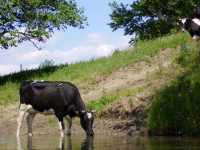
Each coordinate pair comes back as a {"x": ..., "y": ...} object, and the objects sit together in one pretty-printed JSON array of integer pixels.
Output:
[{"x": 73, "y": 45}]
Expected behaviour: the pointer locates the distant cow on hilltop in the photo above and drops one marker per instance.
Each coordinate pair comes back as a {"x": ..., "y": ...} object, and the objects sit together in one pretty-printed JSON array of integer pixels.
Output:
[
  {"x": 53, "y": 97},
  {"x": 192, "y": 24}
]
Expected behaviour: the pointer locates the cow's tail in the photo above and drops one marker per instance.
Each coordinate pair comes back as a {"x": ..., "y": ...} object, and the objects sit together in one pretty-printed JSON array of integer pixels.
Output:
[
  {"x": 20, "y": 98},
  {"x": 19, "y": 106}
]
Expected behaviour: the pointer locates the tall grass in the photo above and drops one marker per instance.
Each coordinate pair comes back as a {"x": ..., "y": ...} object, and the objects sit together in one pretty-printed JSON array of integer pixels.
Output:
[{"x": 86, "y": 72}]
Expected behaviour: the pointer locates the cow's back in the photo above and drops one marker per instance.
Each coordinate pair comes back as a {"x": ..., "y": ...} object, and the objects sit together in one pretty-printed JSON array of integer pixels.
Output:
[{"x": 50, "y": 94}]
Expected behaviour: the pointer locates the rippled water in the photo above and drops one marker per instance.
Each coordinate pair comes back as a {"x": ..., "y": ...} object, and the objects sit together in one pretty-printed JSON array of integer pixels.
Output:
[{"x": 99, "y": 142}]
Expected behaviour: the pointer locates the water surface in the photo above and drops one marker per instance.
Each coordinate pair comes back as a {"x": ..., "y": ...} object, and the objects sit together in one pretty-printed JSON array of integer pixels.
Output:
[{"x": 99, "y": 142}]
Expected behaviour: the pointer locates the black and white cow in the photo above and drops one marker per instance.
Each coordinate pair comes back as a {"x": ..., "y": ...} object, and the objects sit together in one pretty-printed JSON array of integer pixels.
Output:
[
  {"x": 53, "y": 97},
  {"x": 192, "y": 25}
]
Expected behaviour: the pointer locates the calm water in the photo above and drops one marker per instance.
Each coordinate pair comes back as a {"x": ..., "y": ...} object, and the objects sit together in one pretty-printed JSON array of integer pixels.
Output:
[{"x": 99, "y": 142}]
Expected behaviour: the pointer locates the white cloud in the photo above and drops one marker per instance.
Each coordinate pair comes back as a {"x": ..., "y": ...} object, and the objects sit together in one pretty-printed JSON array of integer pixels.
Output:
[{"x": 94, "y": 46}]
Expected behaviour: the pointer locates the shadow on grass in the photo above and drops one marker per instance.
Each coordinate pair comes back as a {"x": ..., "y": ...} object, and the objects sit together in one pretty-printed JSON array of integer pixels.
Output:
[
  {"x": 29, "y": 74},
  {"x": 175, "y": 110}
]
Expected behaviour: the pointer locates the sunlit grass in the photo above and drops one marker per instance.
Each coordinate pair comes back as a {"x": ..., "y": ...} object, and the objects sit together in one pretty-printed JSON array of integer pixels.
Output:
[{"x": 106, "y": 100}]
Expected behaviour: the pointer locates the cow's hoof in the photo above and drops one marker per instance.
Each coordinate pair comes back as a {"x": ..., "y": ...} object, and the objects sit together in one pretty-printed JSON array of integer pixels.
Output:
[
  {"x": 62, "y": 135},
  {"x": 68, "y": 133}
]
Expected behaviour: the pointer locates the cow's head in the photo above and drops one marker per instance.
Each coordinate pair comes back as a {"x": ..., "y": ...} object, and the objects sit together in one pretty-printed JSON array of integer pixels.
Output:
[
  {"x": 185, "y": 23},
  {"x": 192, "y": 25},
  {"x": 87, "y": 119}
]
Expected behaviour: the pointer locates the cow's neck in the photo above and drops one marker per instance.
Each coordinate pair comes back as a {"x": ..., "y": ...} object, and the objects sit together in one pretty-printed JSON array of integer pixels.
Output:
[{"x": 81, "y": 107}]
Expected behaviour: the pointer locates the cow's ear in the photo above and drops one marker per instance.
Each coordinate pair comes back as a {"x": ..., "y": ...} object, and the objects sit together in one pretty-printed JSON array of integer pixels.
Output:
[
  {"x": 83, "y": 112},
  {"x": 93, "y": 111},
  {"x": 76, "y": 112},
  {"x": 179, "y": 22}
]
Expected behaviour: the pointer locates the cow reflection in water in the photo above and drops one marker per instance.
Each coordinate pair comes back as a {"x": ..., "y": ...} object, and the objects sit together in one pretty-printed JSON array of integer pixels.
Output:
[
  {"x": 64, "y": 144},
  {"x": 87, "y": 144}
]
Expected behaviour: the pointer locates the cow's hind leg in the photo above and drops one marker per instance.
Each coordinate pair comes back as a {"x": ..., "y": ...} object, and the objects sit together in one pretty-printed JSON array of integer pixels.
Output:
[
  {"x": 22, "y": 111},
  {"x": 69, "y": 125},
  {"x": 29, "y": 120}
]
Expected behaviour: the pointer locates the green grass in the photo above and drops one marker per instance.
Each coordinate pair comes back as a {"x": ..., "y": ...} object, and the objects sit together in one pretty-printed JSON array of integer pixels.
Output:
[
  {"x": 99, "y": 104},
  {"x": 106, "y": 100},
  {"x": 85, "y": 73},
  {"x": 9, "y": 93}
]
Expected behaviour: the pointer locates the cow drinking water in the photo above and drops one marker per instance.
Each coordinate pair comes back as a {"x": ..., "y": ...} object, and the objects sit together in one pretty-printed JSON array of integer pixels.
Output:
[{"x": 53, "y": 97}]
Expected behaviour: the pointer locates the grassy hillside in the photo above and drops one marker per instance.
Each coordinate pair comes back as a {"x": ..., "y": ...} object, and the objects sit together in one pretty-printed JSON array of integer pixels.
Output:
[
  {"x": 86, "y": 74},
  {"x": 167, "y": 84}
]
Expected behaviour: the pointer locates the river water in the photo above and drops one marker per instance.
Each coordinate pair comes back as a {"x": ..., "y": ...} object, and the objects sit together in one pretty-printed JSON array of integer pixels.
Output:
[{"x": 99, "y": 142}]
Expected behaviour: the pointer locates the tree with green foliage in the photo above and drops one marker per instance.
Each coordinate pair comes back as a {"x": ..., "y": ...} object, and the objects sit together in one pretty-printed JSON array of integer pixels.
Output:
[
  {"x": 146, "y": 19},
  {"x": 47, "y": 63},
  {"x": 36, "y": 20}
]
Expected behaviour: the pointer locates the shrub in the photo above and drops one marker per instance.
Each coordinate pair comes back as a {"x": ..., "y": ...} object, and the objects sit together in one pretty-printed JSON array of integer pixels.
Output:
[{"x": 175, "y": 108}]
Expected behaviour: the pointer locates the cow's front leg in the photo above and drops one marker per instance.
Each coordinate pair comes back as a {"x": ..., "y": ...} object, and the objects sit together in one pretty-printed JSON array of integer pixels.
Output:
[
  {"x": 62, "y": 127},
  {"x": 19, "y": 145},
  {"x": 69, "y": 125},
  {"x": 22, "y": 111},
  {"x": 62, "y": 143},
  {"x": 29, "y": 120}
]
